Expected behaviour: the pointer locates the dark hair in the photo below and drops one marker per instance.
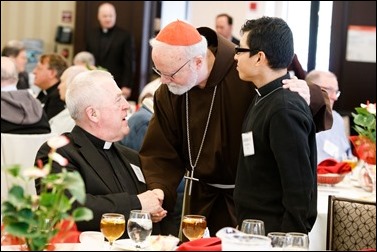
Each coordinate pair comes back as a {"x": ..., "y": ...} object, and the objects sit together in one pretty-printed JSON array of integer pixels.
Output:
[
  {"x": 13, "y": 48},
  {"x": 230, "y": 19},
  {"x": 55, "y": 62},
  {"x": 273, "y": 36}
]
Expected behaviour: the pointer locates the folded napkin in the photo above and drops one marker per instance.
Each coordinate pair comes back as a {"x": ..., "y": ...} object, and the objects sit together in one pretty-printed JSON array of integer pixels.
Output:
[
  {"x": 332, "y": 166},
  {"x": 203, "y": 244},
  {"x": 68, "y": 233}
]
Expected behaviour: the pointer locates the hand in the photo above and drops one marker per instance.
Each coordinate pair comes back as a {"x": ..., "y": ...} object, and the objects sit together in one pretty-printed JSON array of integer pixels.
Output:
[
  {"x": 158, "y": 216},
  {"x": 299, "y": 86},
  {"x": 150, "y": 202},
  {"x": 126, "y": 92},
  {"x": 159, "y": 193}
]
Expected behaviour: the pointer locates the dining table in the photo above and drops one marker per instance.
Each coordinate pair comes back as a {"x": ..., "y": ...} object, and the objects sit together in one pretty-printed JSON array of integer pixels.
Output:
[{"x": 348, "y": 188}]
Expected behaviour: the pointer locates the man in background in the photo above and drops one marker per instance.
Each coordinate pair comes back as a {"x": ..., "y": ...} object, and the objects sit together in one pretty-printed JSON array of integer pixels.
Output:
[
  {"x": 112, "y": 48},
  {"x": 47, "y": 77},
  {"x": 16, "y": 50},
  {"x": 21, "y": 113},
  {"x": 224, "y": 26},
  {"x": 332, "y": 143}
]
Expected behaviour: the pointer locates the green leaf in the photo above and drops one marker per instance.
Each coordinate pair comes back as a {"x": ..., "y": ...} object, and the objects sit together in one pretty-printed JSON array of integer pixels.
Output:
[
  {"x": 19, "y": 229},
  {"x": 82, "y": 214},
  {"x": 76, "y": 186}
]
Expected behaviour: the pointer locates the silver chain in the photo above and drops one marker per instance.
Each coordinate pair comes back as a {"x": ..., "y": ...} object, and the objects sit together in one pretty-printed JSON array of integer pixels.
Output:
[{"x": 205, "y": 130}]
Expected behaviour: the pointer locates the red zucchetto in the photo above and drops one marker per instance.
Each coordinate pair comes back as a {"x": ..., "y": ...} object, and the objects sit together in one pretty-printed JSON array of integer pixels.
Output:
[{"x": 179, "y": 33}]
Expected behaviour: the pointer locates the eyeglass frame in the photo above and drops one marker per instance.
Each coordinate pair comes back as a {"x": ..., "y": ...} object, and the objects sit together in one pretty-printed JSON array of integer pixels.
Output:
[
  {"x": 238, "y": 50},
  {"x": 329, "y": 90},
  {"x": 167, "y": 75}
]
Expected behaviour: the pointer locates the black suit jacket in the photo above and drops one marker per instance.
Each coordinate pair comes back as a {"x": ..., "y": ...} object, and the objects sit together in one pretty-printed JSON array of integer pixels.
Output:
[
  {"x": 116, "y": 56},
  {"x": 53, "y": 105},
  {"x": 102, "y": 194}
]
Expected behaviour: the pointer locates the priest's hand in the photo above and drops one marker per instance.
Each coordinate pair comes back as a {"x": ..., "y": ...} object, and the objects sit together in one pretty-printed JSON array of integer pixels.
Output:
[{"x": 299, "y": 86}]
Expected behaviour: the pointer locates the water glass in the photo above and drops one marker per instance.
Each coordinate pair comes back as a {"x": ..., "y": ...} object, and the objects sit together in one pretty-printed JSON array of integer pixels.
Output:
[
  {"x": 296, "y": 241},
  {"x": 277, "y": 240},
  {"x": 252, "y": 226},
  {"x": 139, "y": 227}
]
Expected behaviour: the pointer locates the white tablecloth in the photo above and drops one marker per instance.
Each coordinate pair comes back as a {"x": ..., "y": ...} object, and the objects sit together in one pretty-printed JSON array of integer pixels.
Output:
[{"x": 347, "y": 189}]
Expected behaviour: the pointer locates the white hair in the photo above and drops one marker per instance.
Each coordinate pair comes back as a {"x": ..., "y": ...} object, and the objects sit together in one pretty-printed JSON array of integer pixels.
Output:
[{"x": 86, "y": 90}]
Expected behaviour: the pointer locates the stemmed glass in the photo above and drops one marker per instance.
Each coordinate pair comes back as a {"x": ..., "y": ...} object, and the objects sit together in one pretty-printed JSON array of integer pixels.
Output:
[
  {"x": 194, "y": 226},
  {"x": 139, "y": 227},
  {"x": 112, "y": 226},
  {"x": 252, "y": 226}
]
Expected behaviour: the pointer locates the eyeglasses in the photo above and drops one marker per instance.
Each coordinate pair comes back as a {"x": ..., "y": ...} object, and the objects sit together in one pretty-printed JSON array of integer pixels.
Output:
[
  {"x": 171, "y": 76},
  {"x": 238, "y": 50},
  {"x": 332, "y": 91}
]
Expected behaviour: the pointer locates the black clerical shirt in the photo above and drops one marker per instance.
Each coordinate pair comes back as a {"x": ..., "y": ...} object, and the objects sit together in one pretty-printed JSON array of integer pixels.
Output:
[{"x": 121, "y": 175}]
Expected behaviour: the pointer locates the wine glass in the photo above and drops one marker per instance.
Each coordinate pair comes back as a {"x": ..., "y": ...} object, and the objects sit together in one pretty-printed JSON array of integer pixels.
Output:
[
  {"x": 139, "y": 227},
  {"x": 252, "y": 226},
  {"x": 112, "y": 226},
  {"x": 194, "y": 226},
  {"x": 296, "y": 241}
]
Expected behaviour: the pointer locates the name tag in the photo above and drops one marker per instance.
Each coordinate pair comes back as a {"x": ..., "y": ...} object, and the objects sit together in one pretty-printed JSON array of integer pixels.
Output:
[
  {"x": 248, "y": 144},
  {"x": 330, "y": 148},
  {"x": 138, "y": 173}
]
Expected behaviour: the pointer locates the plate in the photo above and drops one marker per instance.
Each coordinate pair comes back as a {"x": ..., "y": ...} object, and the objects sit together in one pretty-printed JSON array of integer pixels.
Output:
[
  {"x": 154, "y": 243},
  {"x": 126, "y": 244}
]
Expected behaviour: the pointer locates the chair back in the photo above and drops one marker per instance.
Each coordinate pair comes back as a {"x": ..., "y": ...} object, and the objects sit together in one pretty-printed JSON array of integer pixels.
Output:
[
  {"x": 351, "y": 224},
  {"x": 19, "y": 149}
]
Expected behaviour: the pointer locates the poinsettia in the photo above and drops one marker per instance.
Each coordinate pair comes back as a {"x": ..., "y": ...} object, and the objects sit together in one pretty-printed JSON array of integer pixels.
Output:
[
  {"x": 37, "y": 219},
  {"x": 365, "y": 126}
]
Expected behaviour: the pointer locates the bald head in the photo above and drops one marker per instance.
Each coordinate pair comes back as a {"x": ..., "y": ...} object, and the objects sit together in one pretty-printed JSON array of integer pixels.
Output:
[
  {"x": 67, "y": 78},
  {"x": 327, "y": 81},
  {"x": 106, "y": 15},
  {"x": 9, "y": 74}
]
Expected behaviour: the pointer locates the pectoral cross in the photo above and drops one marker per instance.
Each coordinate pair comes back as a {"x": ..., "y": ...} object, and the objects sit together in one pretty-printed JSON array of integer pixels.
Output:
[{"x": 189, "y": 178}]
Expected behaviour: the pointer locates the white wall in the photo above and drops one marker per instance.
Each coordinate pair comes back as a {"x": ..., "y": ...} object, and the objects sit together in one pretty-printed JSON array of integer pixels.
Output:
[{"x": 296, "y": 13}]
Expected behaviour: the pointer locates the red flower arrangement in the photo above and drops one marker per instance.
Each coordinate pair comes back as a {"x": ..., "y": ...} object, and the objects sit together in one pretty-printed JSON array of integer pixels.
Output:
[{"x": 365, "y": 124}]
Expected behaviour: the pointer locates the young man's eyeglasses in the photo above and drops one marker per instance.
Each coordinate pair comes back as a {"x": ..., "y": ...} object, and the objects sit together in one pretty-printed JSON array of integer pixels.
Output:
[
  {"x": 171, "y": 76},
  {"x": 238, "y": 50}
]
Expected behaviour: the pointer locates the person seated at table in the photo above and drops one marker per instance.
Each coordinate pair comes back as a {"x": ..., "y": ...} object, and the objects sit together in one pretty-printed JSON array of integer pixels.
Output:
[
  {"x": 16, "y": 50},
  {"x": 63, "y": 121},
  {"x": 113, "y": 180},
  {"x": 139, "y": 121},
  {"x": 332, "y": 143},
  {"x": 21, "y": 113},
  {"x": 84, "y": 58}
]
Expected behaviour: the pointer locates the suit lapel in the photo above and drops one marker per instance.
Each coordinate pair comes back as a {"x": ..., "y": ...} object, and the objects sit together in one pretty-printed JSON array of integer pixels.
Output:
[
  {"x": 94, "y": 158},
  {"x": 140, "y": 186}
]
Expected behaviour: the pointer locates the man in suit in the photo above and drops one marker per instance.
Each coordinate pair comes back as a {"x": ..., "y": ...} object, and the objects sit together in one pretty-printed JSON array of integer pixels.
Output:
[
  {"x": 113, "y": 180},
  {"x": 224, "y": 26},
  {"x": 112, "y": 48},
  {"x": 47, "y": 77}
]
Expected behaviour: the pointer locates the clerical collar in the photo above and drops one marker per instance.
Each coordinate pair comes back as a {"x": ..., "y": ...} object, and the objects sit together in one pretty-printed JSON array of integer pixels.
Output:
[
  {"x": 107, "y": 145},
  {"x": 268, "y": 88},
  {"x": 100, "y": 144}
]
